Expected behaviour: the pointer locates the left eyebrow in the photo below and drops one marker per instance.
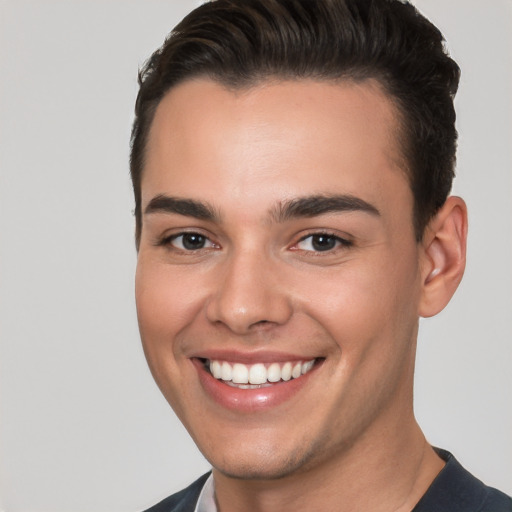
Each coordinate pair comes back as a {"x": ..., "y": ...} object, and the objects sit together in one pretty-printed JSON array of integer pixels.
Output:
[{"x": 312, "y": 206}]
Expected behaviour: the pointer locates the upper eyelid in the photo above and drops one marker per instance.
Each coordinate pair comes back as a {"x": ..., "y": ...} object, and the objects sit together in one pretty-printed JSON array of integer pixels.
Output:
[
  {"x": 176, "y": 232},
  {"x": 343, "y": 242},
  {"x": 167, "y": 238},
  {"x": 324, "y": 233},
  {"x": 210, "y": 243},
  {"x": 343, "y": 237}
]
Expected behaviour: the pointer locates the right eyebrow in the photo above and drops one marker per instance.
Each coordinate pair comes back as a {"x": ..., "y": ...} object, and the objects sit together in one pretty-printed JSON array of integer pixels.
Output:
[{"x": 186, "y": 207}]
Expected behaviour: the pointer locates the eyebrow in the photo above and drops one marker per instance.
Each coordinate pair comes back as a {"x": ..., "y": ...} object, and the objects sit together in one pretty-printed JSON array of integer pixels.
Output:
[
  {"x": 308, "y": 206},
  {"x": 312, "y": 206},
  {"x": 187, "y": 207}
]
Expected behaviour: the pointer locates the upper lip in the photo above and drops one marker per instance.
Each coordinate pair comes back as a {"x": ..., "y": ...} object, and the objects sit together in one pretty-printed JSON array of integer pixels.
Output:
[{"x": 244, "y": 357}]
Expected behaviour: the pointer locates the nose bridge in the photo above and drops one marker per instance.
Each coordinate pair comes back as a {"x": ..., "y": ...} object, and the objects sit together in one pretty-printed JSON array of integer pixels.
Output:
[{"x": 248, "y": 293}]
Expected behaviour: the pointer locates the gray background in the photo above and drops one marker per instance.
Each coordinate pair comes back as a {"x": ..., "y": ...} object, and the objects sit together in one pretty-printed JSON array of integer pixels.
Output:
[{"x": 83, "y": 427}]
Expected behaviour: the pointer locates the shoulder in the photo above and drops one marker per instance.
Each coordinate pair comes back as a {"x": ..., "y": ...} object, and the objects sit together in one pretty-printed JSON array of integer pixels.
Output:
[
  {"x": 182, "y": 501},
  {"x": 496, "y": 501},
  {"x": 457, "y": 490}
]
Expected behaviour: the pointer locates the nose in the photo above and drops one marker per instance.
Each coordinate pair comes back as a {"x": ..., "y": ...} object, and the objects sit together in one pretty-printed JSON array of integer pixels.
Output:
[{"x": 249, "y": 295}]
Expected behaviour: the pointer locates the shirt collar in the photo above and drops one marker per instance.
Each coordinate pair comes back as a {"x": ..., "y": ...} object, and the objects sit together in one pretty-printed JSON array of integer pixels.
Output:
[{"x": 206, "y": 500}]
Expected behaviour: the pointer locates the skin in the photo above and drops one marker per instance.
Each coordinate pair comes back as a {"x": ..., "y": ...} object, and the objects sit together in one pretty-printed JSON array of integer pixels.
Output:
[{"x": 347, "y": 439}]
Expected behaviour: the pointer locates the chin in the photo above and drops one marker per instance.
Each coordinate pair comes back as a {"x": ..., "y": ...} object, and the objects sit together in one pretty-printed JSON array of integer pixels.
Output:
[
  {"x": 263, "y": 471},
  {"x": 268, "y": 463}
]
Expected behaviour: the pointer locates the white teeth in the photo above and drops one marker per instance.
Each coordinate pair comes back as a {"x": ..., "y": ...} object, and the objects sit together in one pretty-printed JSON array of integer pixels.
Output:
[
  {"x": 286, "y": 371},
  {"x": 226, "y": 371},
  {"x": 307, "y": 366},
  {"x": 296, "y": 371},
  {"x": 274, "y": 373},
  {"x": 240, "y": 374},
  {"x": 258, "y": 375},
  {"x": 216, "y": 369}
]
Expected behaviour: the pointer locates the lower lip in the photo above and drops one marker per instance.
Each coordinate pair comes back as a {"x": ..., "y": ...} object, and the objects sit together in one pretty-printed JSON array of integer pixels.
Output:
[{"x": 249, "y": 400}]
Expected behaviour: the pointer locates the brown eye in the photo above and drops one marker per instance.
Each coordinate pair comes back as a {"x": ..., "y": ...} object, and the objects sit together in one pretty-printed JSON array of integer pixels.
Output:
[
  {"x": 321, "y": 242},
  {"x": 191, "y": 241}
]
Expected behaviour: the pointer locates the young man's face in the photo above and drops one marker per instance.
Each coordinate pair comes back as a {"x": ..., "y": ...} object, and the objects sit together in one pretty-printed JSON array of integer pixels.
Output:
[{"x": 277, "y": 234}]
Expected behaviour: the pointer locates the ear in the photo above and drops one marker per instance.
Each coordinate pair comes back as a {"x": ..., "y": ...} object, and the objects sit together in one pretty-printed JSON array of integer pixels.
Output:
[{"x": 443, "y": 256}]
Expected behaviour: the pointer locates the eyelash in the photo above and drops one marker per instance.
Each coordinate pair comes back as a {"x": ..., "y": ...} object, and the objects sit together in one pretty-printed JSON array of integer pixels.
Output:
[
  {"x": 168, "y": 241},
  {"x": 339, "y": 243}
]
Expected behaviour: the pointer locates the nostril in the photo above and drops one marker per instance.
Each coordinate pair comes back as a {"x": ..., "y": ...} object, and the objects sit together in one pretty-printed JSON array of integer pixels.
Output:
[{"x": 261, "y": 324}]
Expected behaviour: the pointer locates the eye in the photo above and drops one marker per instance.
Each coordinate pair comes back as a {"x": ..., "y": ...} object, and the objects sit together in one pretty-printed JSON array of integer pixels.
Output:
[
  {"x": 321, "y": 242},
  {"x": 190, "y": 241}
]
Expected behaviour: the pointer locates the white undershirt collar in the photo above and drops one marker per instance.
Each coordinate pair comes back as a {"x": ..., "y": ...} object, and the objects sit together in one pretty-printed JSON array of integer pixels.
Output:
[{"x": 206, "y": 500}]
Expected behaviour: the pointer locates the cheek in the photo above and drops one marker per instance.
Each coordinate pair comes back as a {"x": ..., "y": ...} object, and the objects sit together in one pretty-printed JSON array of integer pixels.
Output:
[
  {"x": 161, "y": 314},
  {"x": 166, "y": 301},
  {"x": 368, "y": 305},
  {"x": 164, "y": 309}
]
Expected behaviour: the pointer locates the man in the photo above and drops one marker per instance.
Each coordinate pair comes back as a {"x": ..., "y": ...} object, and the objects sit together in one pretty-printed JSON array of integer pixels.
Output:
[{"x": 291, "y": 163}]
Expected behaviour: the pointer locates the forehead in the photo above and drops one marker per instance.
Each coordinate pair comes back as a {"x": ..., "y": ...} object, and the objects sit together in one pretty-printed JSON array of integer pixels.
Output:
[{"x": 279, "y": 139}]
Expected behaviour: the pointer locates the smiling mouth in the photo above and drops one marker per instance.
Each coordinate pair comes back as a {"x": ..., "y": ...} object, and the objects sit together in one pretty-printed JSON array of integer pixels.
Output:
[{"x": 258, "y": 375}]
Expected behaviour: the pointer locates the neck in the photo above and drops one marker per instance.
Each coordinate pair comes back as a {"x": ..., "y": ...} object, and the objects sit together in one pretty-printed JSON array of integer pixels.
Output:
[{"x": 372, "y": 476}]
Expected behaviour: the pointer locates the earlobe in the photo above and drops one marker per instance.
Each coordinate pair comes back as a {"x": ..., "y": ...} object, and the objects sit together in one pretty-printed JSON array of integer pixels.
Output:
[{"x": 443, "y": 256}]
